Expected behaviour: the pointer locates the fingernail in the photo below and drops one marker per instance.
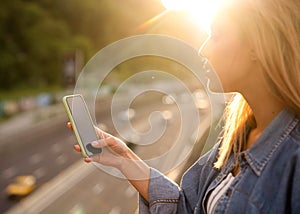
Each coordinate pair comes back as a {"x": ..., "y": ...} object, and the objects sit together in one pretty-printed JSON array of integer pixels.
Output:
[
  {"x": 94, "y": 143},
  {"x": 88, "y": 160}
]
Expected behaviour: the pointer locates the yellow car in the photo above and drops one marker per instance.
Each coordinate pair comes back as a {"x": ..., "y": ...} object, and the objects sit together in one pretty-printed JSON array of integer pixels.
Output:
[{"x": 22, "y": 186}]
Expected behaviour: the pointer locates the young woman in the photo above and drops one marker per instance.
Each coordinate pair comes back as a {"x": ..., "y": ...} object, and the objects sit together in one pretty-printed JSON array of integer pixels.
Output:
[{"x": 254, "y": 48}]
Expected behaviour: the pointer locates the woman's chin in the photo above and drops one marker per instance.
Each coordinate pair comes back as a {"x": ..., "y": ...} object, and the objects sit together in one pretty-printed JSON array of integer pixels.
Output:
[{"x": 214, "y": 85}]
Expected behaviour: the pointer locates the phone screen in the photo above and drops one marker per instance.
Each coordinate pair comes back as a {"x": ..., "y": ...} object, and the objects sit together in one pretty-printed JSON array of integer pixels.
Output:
[{"x": 83, "y": 123}]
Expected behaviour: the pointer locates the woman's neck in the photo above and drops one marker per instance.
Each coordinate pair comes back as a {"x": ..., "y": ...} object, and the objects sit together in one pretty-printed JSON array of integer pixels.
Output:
[{"x": 265, "y": 108}]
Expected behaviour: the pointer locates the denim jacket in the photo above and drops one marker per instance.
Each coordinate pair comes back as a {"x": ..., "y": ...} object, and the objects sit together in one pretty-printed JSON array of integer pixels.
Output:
[{"x": 268, "y": 182}]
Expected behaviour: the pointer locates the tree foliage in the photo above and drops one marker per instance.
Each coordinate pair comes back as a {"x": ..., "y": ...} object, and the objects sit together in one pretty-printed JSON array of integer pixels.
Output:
[{"x": 36, "y": 35}]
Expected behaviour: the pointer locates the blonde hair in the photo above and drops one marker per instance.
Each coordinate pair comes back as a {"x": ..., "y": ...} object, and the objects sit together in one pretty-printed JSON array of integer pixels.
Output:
[{"x": 273, "y": 28}]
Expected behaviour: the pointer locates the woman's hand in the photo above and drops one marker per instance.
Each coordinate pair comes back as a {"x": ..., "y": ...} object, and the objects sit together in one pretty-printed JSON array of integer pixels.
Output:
[
  {"x": 117, "y": 154},
  {"x": 113, "y": 152}
]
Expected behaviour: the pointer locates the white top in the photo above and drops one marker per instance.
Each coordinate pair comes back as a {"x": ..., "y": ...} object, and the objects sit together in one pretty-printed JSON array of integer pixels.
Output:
[{"x": 216, "y": 194}]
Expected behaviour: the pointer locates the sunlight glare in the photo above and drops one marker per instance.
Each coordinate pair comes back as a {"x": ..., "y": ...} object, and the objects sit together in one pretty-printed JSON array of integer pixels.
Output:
[
  {"x": 202, "y": 11},
  {"x": 175, "y": 4}
]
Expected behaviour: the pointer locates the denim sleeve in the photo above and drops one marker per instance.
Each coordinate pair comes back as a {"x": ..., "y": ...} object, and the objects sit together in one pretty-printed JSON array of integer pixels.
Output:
[
  {"x": 164, "y": 195},
  {"x": 295, "y": 200}
]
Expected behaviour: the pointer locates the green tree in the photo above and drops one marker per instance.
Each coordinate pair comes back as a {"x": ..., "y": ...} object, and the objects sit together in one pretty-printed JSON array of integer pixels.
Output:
[
  {"x": 33, "y": 44},
  {"x": 35, "y": 35}
]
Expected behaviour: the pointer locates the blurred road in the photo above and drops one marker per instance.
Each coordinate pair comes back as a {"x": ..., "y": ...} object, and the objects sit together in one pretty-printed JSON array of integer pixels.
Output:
[
  {"x": 43, "y": 149},
  {"x": 46, "y": 152}
]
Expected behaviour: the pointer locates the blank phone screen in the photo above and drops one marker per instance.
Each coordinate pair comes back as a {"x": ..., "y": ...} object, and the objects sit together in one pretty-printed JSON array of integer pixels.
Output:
[{"x": 83, "y": 123}]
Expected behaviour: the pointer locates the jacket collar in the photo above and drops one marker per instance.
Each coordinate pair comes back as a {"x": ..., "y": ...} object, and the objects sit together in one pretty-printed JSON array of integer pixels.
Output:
[{"x": 259, "y": 154}]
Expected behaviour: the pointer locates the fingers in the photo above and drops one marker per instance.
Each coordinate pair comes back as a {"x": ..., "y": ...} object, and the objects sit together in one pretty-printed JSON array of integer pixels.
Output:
[
  {"x": 102, "y": 134},
  {"x": 106, "y": 140},
  {"x": 70, "y": 126},
  {"x": 100, "y": 143},
  {"x": 77, "y": 148},
  {"x": 87, "y": 160}
]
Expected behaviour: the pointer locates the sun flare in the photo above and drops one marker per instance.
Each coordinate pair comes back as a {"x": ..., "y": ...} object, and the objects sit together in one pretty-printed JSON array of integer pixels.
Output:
[{"x": 202, "y": 11}]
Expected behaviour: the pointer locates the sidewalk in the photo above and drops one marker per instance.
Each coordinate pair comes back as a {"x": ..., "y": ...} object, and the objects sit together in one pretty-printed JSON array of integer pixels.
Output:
[
  {"x": 32, "y": 112},
  {"x": 26, "y": 120},
  {"x": 18, "y": 127}
]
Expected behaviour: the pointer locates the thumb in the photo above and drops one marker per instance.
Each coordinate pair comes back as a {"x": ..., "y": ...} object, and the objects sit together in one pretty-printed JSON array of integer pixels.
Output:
[{"x": 99, "y": 143}]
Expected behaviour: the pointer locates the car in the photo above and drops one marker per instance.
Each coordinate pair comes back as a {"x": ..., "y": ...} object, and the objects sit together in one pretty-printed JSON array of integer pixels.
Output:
[{"x": 22, "y": 186}]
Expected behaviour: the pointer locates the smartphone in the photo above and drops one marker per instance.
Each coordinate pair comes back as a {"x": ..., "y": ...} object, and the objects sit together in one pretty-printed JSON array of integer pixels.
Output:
[{"x": 82, "y": 124}]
